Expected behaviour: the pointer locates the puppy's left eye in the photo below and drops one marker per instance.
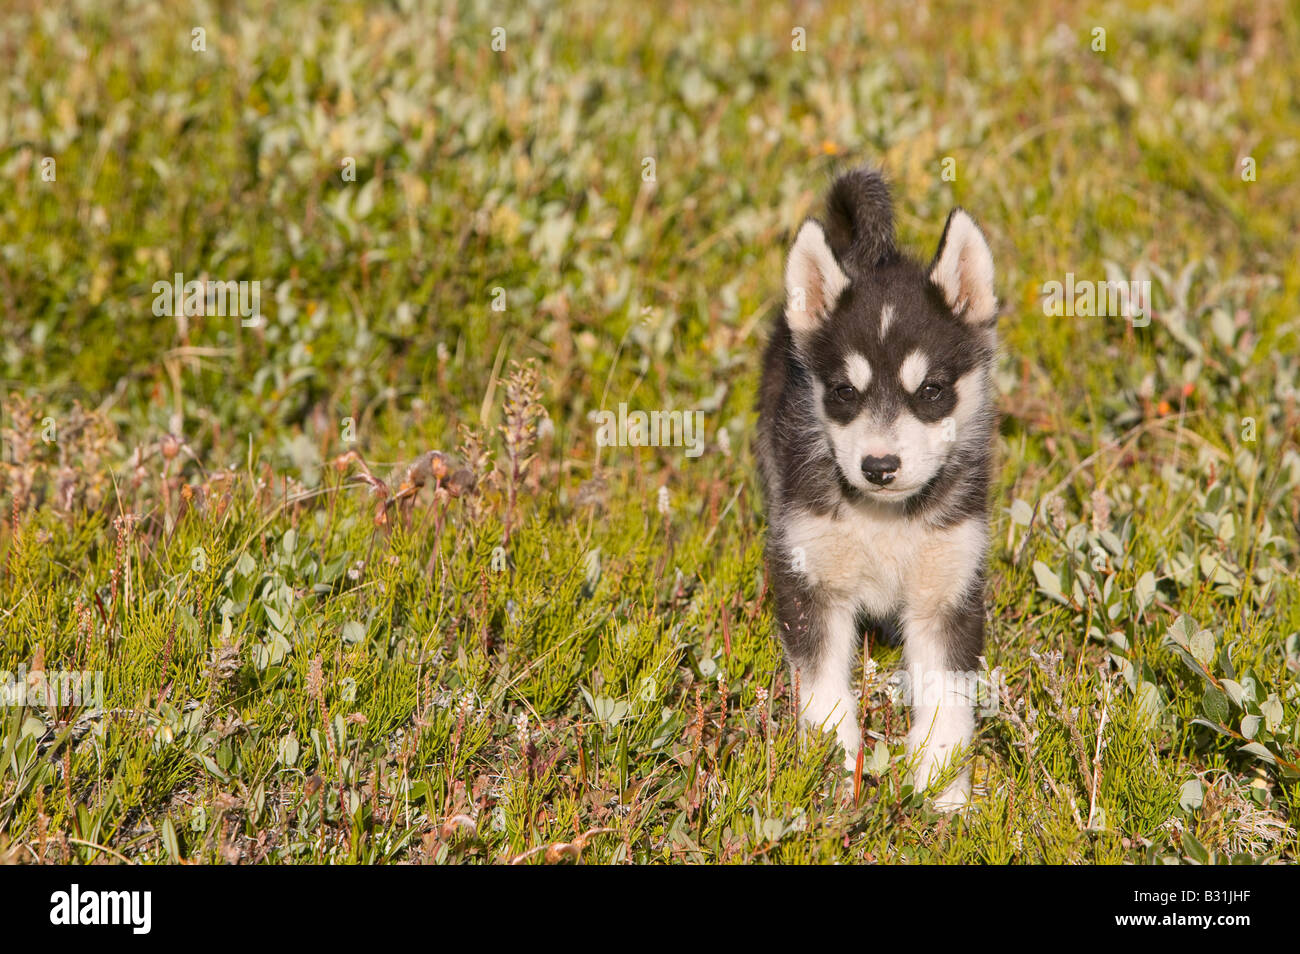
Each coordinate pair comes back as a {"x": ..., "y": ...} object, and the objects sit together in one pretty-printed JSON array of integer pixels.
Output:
[
  {"x": 930, "y": 391},
  {"x": 846, "y": 392}
]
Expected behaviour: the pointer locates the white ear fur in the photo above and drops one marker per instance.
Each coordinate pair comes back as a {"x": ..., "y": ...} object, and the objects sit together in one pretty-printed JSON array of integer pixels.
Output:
[
  {"x": 963, "y": 270},
  {"x": 814, "y": 281}
]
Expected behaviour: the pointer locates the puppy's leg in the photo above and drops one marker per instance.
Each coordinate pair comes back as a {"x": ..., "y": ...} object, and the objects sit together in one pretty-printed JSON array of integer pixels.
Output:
[
  {"x": 819, "y": 643},
  {"x": 943, "y": 718},
  {"x": 827, "y": 697},
  {"x": 943, "y": 629}
]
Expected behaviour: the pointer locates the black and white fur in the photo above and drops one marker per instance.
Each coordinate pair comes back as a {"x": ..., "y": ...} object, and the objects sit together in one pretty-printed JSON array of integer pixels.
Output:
[{"x": 876, "y": 424}]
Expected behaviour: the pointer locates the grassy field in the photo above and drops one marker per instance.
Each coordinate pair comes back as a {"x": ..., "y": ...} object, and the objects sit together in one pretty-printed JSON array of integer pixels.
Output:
[{"x": 360, "y": 582}]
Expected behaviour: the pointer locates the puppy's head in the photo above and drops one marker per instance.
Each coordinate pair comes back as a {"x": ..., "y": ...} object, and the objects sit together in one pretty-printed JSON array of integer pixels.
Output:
[{"x": 899, "y": 353}]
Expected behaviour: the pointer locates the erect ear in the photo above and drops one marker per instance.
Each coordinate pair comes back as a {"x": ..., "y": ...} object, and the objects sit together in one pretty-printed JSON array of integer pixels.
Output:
[
  {"x": 814, "y": 281},
  {"x": 963, "y": 270}
]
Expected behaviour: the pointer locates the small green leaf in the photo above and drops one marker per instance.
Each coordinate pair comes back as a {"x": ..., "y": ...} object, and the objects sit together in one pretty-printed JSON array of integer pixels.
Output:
[
  {"x": 1191, "y": 795},
  {"x": 1195, "y": 850},
  {"x": 1202, "y": 646},
  {"x": 1271, "y": 710},
  {"x": 1211, "y": 725},
  {"x": 1215, "y": 705},
  {"x": 211, "y": 765},
  {"x": 609, "y": 711},
  {"x": 879, "y": 760},
  {"x": 1250, "y": 725},
  {"x": 1145, "y": 590},
  {"x": 1234, "y": 691},
  {"x": 288, "y": 750},
  {"x": 1048, "y": 581},
  {"x": 1111, "y": 543},
  {"x": 1182, "y": 631},
  {"x": 1261, "y": 753},
  {"x": 170, "y": 841}
]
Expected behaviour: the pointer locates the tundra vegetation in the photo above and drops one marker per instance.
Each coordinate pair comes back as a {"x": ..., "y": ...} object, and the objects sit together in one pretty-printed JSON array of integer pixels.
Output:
[{"x": 361, "y": 581}]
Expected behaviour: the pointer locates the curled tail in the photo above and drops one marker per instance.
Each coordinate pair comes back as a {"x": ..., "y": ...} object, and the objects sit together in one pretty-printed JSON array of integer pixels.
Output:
[{"x": 860, "y": 220}]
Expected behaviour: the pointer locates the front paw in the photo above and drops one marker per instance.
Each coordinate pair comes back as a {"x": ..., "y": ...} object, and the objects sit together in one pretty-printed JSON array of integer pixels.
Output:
[
  {"x": 956, "y": 796},
  {"x": 850, "y": 740},
  {"x": 930, "y": 770},
  {"x": 845, "y": 727}
]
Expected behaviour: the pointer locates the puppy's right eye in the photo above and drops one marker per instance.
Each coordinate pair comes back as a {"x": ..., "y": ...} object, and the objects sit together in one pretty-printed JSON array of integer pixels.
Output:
[{"x": 846, "y": 392}]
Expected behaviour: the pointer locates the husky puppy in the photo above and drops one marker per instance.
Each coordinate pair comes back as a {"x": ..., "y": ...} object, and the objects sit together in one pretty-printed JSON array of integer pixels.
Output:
[{"x": 876, "y": 424}]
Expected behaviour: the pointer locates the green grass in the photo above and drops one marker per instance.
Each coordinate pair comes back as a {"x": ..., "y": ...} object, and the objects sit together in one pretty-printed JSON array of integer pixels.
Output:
[{"x": 304, "y": 661}]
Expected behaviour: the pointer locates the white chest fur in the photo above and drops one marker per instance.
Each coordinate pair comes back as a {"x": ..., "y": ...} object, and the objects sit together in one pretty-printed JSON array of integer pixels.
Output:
[{"x": 880, "y": 561}]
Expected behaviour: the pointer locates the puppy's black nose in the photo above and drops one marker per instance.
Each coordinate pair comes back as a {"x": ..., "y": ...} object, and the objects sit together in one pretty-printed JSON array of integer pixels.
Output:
[{"x": 880, "y": 470}]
